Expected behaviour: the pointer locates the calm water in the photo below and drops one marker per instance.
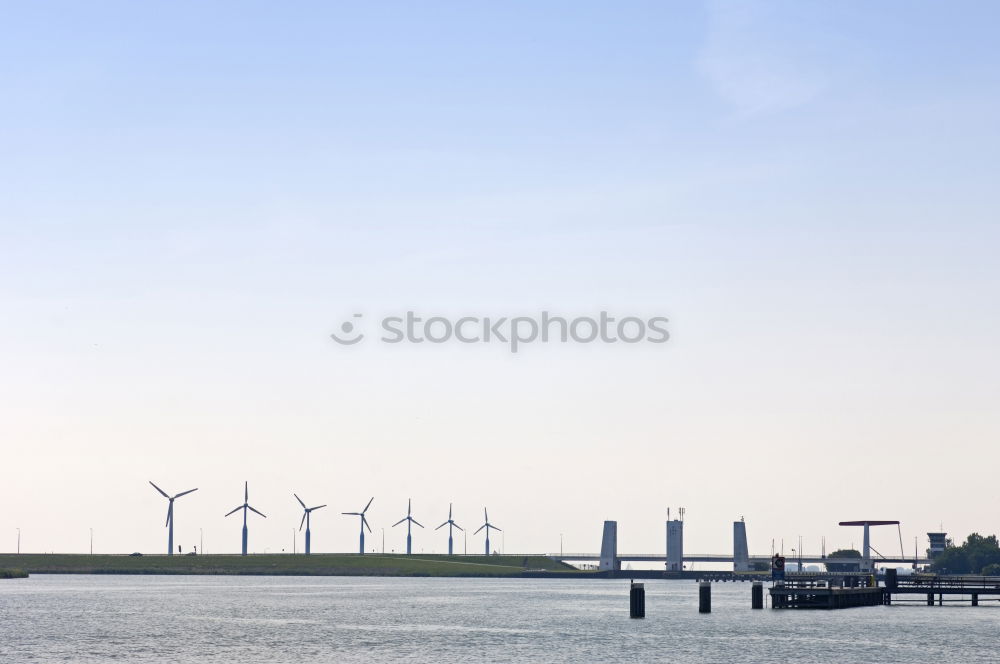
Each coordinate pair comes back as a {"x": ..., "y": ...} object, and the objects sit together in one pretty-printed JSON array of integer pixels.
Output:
[{"x": 272, "y": 619}]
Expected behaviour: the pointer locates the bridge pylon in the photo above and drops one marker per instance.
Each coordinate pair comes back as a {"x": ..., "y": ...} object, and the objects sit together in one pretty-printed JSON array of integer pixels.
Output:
[{"x": 609, "y": 548}]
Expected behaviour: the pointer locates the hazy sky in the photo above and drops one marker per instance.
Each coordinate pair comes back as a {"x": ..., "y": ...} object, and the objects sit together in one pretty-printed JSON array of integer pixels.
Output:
[{"x": 193, "y": 196}]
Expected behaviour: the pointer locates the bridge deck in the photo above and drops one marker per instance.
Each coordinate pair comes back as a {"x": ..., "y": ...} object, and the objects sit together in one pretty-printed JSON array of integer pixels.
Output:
[{"x": 722, "y": 558}]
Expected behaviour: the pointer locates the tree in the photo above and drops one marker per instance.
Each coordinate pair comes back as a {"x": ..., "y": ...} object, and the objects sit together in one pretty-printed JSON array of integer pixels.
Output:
[
  {"x": 844, "y": 567},
  {"x": 971, "y": 557}
]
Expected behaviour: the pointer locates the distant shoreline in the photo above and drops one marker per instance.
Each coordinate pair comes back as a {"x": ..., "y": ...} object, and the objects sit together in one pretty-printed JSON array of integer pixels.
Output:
[
  {"x": 341, "y": 564},
  {"x": 13, "y": 574},
  {"x": 292, "y": 565}
]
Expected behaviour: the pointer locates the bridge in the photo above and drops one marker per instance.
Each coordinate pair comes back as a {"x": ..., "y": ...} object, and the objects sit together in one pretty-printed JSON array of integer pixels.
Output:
[
  {"x": 722, "y": 558},
  {"x": 609, "y": 559}
]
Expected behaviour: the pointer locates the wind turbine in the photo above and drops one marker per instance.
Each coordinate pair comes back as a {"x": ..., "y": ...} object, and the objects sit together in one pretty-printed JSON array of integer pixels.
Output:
[
  {"x": 170, "y": 516},
  {"x": 487, "y": 526},
  {"x": 245, "y": 506},
  {"x": 451, "y": 524},
  {"x": 409, "y": 522},
  {"x": 305, "y": 518},
  {"x": 364, "y": 524}
]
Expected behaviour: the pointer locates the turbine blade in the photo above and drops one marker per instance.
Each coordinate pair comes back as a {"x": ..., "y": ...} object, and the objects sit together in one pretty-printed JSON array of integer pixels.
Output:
[
  {"x": 235, "y": 510},
  {"x": 253, "y": 510},
  {"x": 368, "y": 505},
  {"x": 316, "y": 508},
  {"x": 499, "y": 530},
  {"x": 162, "y": 492},
  {"x": 480, "y": 528},
  {"x": 416, "y": 522},
  {"x": 458, "y": 526},
  {"x": 486, "y": 516},
  {"x": 409, "y": 505},
  {"x": 399, "y": 522},
  {"x": 246, "y": 491},
  {"x": 352, "y": 513},
  {"x": 303, "y": 522},
  {"x": 300, "y": 500},
  {"x": 184, "y": 493},
  {"x": 441, "y": 526},
  {"x": 170, "y": 514},
  {"x": 364, "y": 522}
]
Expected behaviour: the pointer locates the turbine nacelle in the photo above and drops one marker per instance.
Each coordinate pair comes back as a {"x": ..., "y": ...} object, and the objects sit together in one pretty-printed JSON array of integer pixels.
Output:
[
  {"x": 450, "y": 522},
  {"x": 171, "y": 499},
  {"x": 488, "y": 526},
  {"x": 246, "y": 504},
  {"x": 364, "y": 521},
  {"x": 308, "y": 510},
  {"x": 409, "y": 504}
]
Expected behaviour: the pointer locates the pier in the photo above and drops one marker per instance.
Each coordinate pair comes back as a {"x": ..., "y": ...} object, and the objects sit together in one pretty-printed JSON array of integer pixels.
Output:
[
  {"x": 930, "y": 587},
  {"x": 806, "y": 592},
  {"x": 817, "y": 593}
]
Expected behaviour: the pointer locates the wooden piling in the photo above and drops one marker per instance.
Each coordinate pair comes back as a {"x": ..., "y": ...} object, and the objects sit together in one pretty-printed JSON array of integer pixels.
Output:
[
  {"x": 637, "y": 600},
  {"x": 705, "y": 597}
]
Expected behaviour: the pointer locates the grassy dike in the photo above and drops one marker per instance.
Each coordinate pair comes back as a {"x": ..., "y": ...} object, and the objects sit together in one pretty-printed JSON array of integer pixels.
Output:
[
  {"x": 321, "y": 564},
  {"x": 13, "y": 574}
]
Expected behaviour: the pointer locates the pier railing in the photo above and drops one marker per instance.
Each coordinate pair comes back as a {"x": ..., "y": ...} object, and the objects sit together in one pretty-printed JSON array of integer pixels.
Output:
[{"x": 949, "y": 582}]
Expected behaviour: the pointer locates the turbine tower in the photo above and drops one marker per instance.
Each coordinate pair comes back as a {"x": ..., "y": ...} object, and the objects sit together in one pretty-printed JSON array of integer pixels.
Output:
[
  {"x": 487, "y": 526},
  {"x": 364, "y": 524},
  {"x": 305, "y": 519},
  {"x": 245, "y": 506},
  {"x": 170, "y": 515},
  {"x": 409, "y": 522},
  {"x": 451, "y": 524}
]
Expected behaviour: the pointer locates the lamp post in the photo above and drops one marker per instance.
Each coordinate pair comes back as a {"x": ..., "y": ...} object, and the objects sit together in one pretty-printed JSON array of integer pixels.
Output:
[
  {"x": 91, "y": 541},
  {"x": 18, "y": 541}
]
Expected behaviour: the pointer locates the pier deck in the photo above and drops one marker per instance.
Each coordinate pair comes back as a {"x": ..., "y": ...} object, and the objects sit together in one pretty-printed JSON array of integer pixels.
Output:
[
  {"x": 851, "y": 590},
  {"x": 821, "y": 597},
  {"x": 941, "y": 585}
]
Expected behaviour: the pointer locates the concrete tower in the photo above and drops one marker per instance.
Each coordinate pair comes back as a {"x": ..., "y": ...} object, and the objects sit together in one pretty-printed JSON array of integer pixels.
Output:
[
  {"x": 741, "y": 554},
  {"x": 609, "y": 547}
]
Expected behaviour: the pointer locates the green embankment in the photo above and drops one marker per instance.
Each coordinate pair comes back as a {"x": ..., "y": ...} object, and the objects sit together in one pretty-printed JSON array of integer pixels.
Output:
[
  {"x": 13, "y": 574},
  {"x": 284, "y": 564}
]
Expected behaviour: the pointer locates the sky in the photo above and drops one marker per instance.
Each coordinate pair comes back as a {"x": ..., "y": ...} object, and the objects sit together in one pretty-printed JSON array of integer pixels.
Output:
[{"x": 194, "y": 196}]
